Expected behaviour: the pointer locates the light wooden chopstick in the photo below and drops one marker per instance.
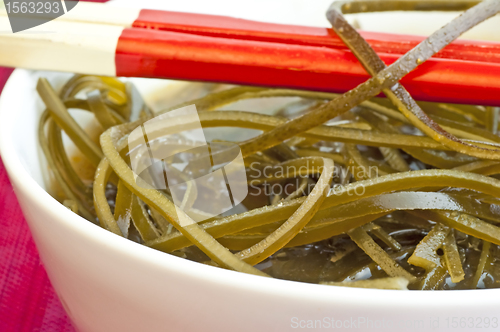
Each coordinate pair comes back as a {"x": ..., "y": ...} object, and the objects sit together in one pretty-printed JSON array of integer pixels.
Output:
[{"x": 104, "y": 40}]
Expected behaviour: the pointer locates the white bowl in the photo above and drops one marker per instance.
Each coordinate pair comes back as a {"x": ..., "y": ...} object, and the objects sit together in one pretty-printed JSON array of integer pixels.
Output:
[{"x": 108, "y": 283}]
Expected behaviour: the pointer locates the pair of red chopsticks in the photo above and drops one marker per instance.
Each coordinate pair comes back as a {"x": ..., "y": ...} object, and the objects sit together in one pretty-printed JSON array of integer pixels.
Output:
[
  {"x": 222, "y": 49},
  {"x": 248, "y": 52}
]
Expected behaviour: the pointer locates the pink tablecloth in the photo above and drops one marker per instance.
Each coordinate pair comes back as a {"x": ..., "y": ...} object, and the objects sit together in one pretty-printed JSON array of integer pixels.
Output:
[{"x": 27, "y": 299}]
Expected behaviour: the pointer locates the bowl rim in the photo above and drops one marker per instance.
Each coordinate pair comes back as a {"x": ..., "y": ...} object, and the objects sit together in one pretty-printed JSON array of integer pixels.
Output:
[{"x": 203, "y": 273}]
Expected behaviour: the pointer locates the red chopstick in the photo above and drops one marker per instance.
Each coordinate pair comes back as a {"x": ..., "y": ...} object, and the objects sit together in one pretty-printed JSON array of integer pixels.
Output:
[
  {"x": 235, "y": 28},
  {"x": 165, "y": 54},
  {"x": 200, "y": 47}
]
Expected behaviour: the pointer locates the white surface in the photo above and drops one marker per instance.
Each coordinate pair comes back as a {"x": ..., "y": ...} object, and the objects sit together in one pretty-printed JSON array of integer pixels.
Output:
[
  {"x": 301, "y": 12},
  {"x": 424, "y": 23},
  {"x": 108, "y": 283},
  {"x": 312, "y": 13},
  {"x": 100, "y": 13}
]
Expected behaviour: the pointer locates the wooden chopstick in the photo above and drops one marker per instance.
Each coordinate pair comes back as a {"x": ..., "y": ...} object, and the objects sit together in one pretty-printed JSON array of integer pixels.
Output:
[
  {"x": 236, "y": 28},
  {"x": 212, "y": 48},
  {"x": 229, "y": 27}
]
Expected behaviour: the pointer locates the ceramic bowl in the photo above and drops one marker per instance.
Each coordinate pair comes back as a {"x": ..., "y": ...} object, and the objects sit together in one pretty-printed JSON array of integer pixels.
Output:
[{"x": 107, "y": 283}]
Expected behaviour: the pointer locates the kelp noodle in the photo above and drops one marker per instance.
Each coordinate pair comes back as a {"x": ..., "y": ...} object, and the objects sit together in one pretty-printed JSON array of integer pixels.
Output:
[{"x": 341, "y": 188}]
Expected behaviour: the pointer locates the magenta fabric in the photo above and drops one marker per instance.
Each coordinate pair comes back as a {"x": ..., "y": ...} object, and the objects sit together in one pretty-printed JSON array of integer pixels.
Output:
[{"x": 27, "y": 299}]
